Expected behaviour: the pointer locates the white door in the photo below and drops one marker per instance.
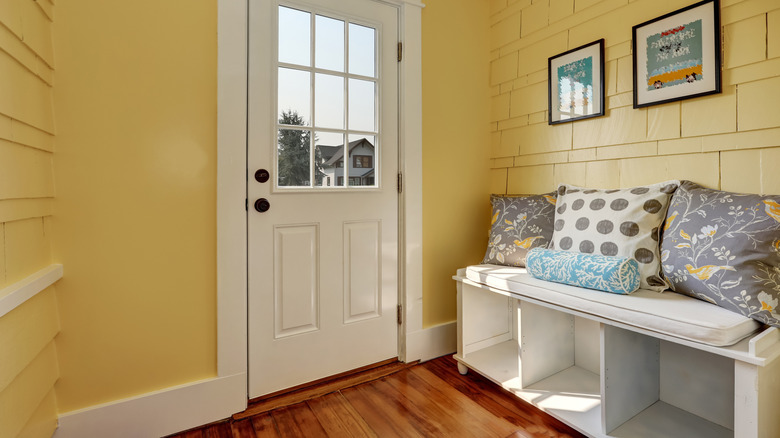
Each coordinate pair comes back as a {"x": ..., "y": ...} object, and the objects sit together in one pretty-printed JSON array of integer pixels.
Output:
[{"x": 323, "y": 124}]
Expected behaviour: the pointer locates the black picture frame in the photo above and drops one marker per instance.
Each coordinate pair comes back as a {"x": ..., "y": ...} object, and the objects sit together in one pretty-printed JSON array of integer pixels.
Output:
[
  {"x": 678, "y": 55},
  {"x": 585, "y": 84}
]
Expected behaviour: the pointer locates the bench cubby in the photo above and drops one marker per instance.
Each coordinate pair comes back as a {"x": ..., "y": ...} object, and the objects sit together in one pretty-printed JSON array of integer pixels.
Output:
[{"x": 611, "y": 379}]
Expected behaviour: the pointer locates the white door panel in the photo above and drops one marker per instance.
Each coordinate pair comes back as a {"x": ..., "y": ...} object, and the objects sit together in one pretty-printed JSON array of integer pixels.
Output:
[
  {"x": 323, "y": 120},
  {"x": 362, "y": 270},
  {"x": 296, "y": 288}
]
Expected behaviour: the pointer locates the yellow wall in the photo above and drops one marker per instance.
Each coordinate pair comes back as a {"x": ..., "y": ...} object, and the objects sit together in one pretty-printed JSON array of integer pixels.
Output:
[
  {"x": 135, "y": 172},
  {"x": 28, "y": 361},
  {"x": 729, "y": 141},
  {"x": 456, "y": 141},
  {"x": 135, "y": 214},
  {"x": 136, "y": 151}
]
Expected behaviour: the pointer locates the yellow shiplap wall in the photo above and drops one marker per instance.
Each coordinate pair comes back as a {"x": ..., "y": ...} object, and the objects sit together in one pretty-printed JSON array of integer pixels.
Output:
[
  {"x": 456, "y": 109},
  {"x": 729, "y": 141},
  {"x": 28, "y": 362}
]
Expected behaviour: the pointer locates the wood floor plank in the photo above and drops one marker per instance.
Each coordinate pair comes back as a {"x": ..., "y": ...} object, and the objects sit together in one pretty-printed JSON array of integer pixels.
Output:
[
  {"x": 521, "y": 434},
  {"x": 388, "y": 417},
  {"x": 327, "y": 386},
  {"x": 338, "y": 417},
  {"x": 426, "y": 422},
  {"x": 437, "y": 419},
  {"x": 428, "y": 400},
  {"x": 219, "y": 430},
  {"x": 265, "y": 426},
  {"x": 482, "y": 391},
  {"x": 297, "y": 421},
  {"x": 467, "y": 413},
  {"x": 499, "y": 401},
  {"x": 243, "y": 429},
  {"x": 539, "y": 432}
]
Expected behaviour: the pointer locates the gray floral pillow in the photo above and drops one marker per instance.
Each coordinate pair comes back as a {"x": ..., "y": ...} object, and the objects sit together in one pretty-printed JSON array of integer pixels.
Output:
[
  {"x": 518, "y": 224},
  {"x": 724, "y": 248}
]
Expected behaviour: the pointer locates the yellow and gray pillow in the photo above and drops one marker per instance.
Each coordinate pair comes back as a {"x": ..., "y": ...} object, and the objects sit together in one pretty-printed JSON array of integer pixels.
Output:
[
  {"x": 724, "y": 248},
  {"x": 518, "y": 224}
]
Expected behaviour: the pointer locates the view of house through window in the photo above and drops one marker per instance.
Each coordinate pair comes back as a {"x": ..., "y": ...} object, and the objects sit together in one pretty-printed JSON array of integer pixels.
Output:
[
  {"x": 360, "y": 155},
  {"x": 327, "y": 100}
]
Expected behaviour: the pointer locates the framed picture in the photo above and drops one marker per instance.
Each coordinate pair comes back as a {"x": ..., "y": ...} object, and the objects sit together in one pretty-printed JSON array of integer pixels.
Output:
[
  {"x": 677, "y": 56},
  {"x": 576, "y": 84}
]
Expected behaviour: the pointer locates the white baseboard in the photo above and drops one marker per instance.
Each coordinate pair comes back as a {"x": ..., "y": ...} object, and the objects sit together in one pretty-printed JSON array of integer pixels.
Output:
[
  {"x": 194, "y": 404},
  {"x": 159, "y": 413},
  {"x": 432, "y": 342}
]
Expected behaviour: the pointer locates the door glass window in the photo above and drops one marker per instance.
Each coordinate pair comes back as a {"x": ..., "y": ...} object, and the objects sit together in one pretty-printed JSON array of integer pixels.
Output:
[
  {"x": 294, "y": 157},
  {"x": 329, "y": 43},
  {"x": 361, "y": 105},
  {"x": 294, "y": 97},
  {"x": 363, "y": 156},
  {"x": 330, "y": 172},
  {"x": 362, "y": 44},
  {"x": 294, "y": 36},
  {"x": 327, "y": 100}
]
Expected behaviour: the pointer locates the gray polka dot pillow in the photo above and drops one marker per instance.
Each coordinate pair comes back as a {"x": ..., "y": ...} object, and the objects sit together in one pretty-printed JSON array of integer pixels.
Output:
[{"x": 619, "y": 222}]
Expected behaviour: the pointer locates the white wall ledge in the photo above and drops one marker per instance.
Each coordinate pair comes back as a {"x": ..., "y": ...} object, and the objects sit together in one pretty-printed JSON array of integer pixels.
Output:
[
  {"x": 16, "y": 294},
  {"x": 405, "y": 2}
]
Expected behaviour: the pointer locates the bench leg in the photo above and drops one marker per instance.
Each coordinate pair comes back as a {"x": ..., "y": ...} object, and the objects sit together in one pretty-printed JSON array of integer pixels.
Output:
[
  {"x": 462, "y": 369},
  {"x": 757, "y": 394}
]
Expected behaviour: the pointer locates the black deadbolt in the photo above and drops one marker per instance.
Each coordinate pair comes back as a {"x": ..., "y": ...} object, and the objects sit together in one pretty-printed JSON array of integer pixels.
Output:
[
  {"x": 262, "y": 205},
  {"x": 262, "y": 175}
]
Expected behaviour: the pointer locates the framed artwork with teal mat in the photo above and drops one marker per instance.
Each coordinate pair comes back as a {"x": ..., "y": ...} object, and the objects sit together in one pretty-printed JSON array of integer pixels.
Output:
[
  {"x": 677, "y": 55},
  {"x": 576, "y": 84}
]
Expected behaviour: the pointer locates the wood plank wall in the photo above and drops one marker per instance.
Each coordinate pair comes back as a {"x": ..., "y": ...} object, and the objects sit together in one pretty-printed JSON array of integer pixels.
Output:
[
  {"x": 28, "y": 361},
  {"x": 729, "y": 141}
]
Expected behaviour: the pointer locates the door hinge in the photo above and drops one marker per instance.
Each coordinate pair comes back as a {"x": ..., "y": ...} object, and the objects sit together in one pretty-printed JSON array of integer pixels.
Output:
[
  {"x": 400, "y": 314},
  {"x": 400, "y": 182},
  {"x": 400, "y": 51}
]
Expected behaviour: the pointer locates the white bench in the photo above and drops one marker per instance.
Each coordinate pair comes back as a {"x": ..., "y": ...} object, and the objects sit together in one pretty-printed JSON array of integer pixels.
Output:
[{"x": 644, "y": 365}]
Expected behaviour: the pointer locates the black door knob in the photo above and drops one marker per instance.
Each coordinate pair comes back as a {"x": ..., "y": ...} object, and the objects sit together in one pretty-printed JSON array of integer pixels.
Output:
[
  {"x": 262, "y": 205},
  {"x": 262, "y": 175}
]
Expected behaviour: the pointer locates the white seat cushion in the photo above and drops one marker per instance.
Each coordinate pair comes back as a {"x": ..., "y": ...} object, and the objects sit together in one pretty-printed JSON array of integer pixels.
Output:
[{"x": 668, "y": 313}]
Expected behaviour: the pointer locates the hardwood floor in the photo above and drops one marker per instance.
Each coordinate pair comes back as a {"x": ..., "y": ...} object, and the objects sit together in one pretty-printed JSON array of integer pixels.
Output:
[
  {"x": 321, "y": 387},
  {"x": 426, "y": 400}
]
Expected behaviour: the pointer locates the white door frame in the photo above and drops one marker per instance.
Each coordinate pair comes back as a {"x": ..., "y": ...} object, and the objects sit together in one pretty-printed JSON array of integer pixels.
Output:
[{"x": 232, "y": 179}]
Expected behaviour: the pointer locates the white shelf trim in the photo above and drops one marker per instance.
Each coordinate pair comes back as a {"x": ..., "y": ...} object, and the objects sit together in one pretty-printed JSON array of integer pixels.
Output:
[
  {"x": 739, "y": 351},
  {"x": 16, "y": 294},
  {"x": 404, "y": 2}
]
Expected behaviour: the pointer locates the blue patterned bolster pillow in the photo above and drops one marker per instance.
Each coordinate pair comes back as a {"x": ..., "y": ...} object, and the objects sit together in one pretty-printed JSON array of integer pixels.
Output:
[{"x": 618, "y": 275}]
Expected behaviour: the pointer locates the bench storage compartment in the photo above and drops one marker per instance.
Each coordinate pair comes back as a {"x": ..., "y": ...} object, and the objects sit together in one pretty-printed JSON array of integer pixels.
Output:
[{"x": 608, "y": 374}]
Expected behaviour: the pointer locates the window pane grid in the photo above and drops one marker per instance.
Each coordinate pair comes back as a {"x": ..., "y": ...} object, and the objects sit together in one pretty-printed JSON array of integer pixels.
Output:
[
  {"x": 322, "y": 70},
  {"x": 326, "y": 71}
]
